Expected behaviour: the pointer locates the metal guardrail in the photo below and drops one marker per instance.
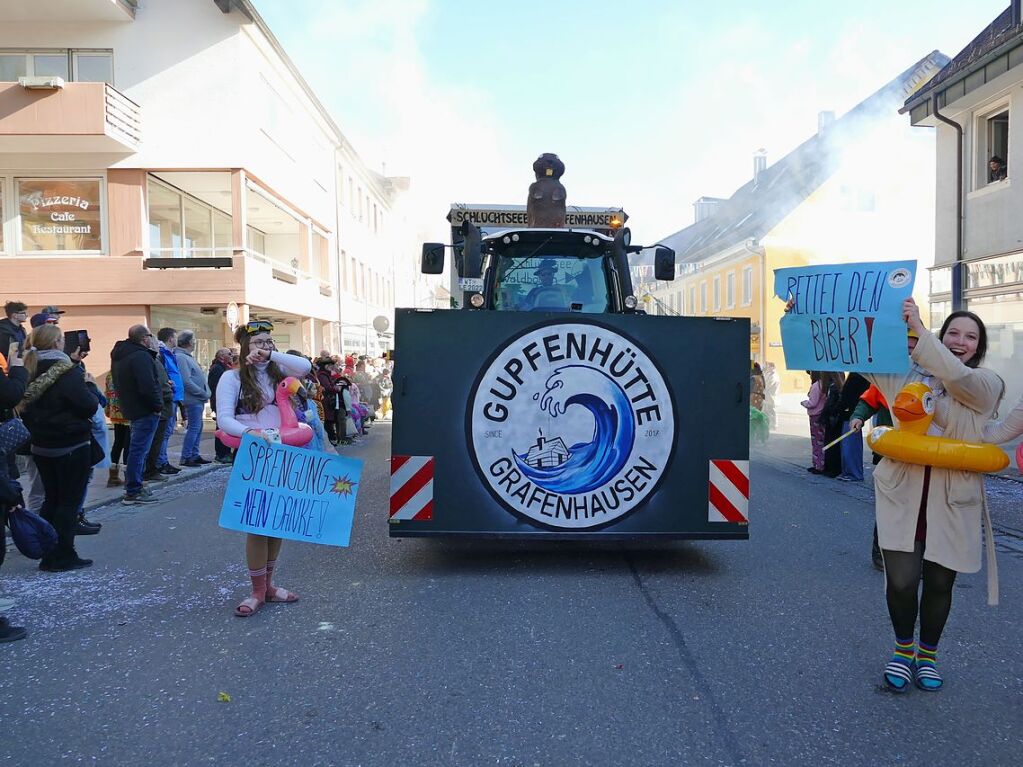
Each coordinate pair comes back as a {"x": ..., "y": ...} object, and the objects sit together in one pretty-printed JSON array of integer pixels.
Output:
[
  {"x": 185, "y": 253},
  {"x": 123, "y": 116}
]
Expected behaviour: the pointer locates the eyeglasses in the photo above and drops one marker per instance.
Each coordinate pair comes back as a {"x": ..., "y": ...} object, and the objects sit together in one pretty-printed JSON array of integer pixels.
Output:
[
  {"x": 262, "y": 343},
  {"x": 259, "y": 326}
]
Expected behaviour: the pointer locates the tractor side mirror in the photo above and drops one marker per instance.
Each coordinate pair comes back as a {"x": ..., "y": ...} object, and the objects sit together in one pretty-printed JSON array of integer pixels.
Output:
[
  {"x": 433, "y": 258},
  {"x": 472, "y": 251},
  {"x": 664, "y": 264}
]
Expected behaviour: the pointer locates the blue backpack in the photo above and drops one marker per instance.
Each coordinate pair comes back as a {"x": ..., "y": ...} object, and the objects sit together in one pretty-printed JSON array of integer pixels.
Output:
[{"x": 33, "y": 535}]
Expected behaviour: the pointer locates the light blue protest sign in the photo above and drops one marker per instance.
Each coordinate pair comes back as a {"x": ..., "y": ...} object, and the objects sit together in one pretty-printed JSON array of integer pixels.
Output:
[
  {"x": 289, "y": 492},
  {"x": 846, "y": 316}
]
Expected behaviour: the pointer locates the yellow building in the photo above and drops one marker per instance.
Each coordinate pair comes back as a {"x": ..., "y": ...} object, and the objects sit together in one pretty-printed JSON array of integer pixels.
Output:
[{"x": 860, "y": 189}]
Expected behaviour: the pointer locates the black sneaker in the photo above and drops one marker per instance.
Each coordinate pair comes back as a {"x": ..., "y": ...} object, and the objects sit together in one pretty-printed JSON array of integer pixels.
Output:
[
  {"x": 226, "y": 460},
  {"x": 77, "y": 563},
  {"x": 169, "y": 470},
  {"x": 154, "y": 476},
  {"x": 144, "y": 496},
  {"x": 9, "y": 633},
  {"x": 200, "y": 461},
  {"x": 85, "y": 527}
]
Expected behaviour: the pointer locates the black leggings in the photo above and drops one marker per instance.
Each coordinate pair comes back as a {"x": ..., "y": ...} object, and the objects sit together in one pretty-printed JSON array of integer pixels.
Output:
[
  {"x": 66, "y": 480},
  {"x": 902, "y": 571},
  {"x": 122, "y": 443}
]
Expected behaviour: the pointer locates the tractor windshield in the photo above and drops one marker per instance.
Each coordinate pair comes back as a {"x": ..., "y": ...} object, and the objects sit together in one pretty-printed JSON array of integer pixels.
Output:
[{"x": 550, "y": 282}]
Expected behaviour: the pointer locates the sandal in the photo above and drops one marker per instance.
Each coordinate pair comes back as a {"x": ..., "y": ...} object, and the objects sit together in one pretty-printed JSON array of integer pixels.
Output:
[
  {"x": 277, "y": 594},
  {"x": 897, "y": 676},
  {"x": 928, "y": 679},
  {"x": 248, "y": 606}
]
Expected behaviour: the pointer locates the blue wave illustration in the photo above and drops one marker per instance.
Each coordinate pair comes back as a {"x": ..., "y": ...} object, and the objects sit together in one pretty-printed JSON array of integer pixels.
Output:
[{"x": 589, "y": 465}]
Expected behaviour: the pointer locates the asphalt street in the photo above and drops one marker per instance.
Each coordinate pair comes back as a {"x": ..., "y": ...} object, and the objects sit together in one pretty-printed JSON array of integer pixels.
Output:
[{"x": 465, "y": 653}]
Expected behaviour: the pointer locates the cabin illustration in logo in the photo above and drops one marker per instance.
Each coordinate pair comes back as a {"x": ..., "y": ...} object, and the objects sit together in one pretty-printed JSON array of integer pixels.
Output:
[{"x": 547, "y": 453}]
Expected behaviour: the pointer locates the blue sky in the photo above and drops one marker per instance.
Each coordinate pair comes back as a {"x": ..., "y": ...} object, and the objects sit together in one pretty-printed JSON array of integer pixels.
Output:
[{"x": 650, "y": 104}]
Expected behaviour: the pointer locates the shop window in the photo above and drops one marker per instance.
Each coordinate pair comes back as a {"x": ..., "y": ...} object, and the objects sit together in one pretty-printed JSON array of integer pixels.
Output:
[
  {"x": 61, "y": 215},
  {"x": 71, "y": 65}
]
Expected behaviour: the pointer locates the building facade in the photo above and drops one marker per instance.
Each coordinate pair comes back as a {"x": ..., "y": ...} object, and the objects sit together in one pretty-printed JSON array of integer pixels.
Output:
[
  {"x": 980, "y": 265},
  {"x": 166, "y": 163},
  {"x": 856, "y": 190}
]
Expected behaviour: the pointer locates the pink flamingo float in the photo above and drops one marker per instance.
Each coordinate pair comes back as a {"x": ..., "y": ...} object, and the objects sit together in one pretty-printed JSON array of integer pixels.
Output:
[{"x": 292, "y": 432}]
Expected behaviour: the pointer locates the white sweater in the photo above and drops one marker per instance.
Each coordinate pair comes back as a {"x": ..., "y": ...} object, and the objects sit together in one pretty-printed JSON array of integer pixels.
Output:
[
  {"x": 230, "y": 385},
  {"x": 998, "y": 432}
]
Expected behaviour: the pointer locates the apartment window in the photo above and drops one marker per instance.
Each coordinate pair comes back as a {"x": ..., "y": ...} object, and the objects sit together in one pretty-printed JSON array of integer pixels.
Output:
[
  {"x": 60, "y": 215},
  {"x": 692, "y": 299},
  {"x": 717, "y": 294},
  {"x": 703, "y": 298},
  {"x": 996, "y": 130},
  {"x": 730, "y": 290},
  {"x": 3, "y": 218},
  {"x": 85, "y": 66},
  {"x": 747, "y": 286},
  {"x": 361, "y": 200},
  {"x": 342, "y": 263},
  {"x": 181, "y": 225},
  {"x": 257, "y": 240}
]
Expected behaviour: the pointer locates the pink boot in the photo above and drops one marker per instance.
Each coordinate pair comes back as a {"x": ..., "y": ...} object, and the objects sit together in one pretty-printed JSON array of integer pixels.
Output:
[
  {"x": 273, "y": 593},
  {"x": 250, "y": 605}
]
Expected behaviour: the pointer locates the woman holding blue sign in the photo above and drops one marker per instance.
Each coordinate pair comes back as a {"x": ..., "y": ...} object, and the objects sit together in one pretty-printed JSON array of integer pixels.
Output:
[
  {"x": 929, "y": 518},
  {"x": 246, "y": 405}
]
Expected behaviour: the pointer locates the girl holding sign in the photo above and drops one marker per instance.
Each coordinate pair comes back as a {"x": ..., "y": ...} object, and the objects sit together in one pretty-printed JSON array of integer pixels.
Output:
[
  {"x": 246, "y": 405},
  {"x": 929, "y": 518}
]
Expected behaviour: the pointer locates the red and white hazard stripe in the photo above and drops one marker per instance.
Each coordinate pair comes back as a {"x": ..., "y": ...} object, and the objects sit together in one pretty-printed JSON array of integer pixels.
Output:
[
  {"x": 411, "y": 487},
  {"x": 729, "y": 491}
]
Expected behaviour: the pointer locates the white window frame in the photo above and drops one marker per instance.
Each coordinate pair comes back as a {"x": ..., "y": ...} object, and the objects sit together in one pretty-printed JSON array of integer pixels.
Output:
[
  {"x": 981, "y": 151},
  {"x": 70, "y": 53},
  {"x": 747, "y": 282},
  {"x": 5, "y": 239},
  {"x": 730, "y": 290},
  {"x": 15, "y": 219},
  {"x": 692, "y": 300},
  {"x": 717, "y": 292},
  {"x": 213, "y": 211},
  {"x": 703, "y": 297}
]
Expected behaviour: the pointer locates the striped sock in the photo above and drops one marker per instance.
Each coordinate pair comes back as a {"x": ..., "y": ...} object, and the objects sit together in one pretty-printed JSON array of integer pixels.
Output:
[
  {"x": 258, "y": 578},
  {"x": 927, "y": 676},
  {"x": 898, "y": 673}
]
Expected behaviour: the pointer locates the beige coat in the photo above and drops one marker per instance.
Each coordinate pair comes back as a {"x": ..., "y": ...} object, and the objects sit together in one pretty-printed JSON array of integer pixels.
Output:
[{"x": 956, "y": 508}]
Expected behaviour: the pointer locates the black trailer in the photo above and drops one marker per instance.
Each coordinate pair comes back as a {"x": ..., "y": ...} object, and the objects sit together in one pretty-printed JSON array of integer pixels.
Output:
[{"x": 568, "y": 424}]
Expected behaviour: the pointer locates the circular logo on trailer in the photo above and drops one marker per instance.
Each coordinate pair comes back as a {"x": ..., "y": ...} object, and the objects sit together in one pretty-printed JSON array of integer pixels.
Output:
[
  {"x": 899, "y": 277},
  {"x": 571, "y": 425}
]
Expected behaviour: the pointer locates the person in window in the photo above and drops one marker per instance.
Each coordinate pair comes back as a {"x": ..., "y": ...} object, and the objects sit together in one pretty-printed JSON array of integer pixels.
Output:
[
  {"x": 546, "y": 295},
  {"x": 996, "y": 169}
]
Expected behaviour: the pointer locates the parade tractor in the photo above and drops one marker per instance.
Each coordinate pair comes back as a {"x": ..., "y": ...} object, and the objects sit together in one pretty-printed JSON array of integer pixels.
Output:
[{"x": 551, "y": 406}]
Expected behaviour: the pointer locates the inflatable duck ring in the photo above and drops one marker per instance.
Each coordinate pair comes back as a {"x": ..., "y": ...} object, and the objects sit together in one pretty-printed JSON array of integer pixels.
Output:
[{"x": 909, "y": 442}]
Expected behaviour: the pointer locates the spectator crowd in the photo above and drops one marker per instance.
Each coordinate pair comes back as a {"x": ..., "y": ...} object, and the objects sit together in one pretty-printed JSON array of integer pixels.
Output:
[{"x": 57, "y": 425}]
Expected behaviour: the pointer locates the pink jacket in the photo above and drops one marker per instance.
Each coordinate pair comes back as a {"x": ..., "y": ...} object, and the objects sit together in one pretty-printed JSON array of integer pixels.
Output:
[{"x": 815, "y": 401}]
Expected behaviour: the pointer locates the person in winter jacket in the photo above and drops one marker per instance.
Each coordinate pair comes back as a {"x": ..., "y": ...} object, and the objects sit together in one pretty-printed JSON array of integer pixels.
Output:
[
  {"x": 197, "y": 394},
  {"x": 222, "y": 362},
  {"x": 12, "y": 330},
  {"x": 852, "y": 446},
  {"x": 57, "y": 409},
  {"x": 137, "y": 381},
  {"x": 930, "y": 519},
  {"x": 168, "y": 342},
  {"x": 122, "y": 432},
  {"x": 329, "y": 393},
  {"x": 13, "y": 380}
]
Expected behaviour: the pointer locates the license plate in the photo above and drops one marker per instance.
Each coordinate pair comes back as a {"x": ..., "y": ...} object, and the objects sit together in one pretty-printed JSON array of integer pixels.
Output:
[{"x": 471, "y": 284}]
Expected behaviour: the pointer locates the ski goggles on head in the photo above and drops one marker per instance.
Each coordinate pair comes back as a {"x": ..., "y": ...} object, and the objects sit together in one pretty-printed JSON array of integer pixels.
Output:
[{"x": 259, "y": 326}]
